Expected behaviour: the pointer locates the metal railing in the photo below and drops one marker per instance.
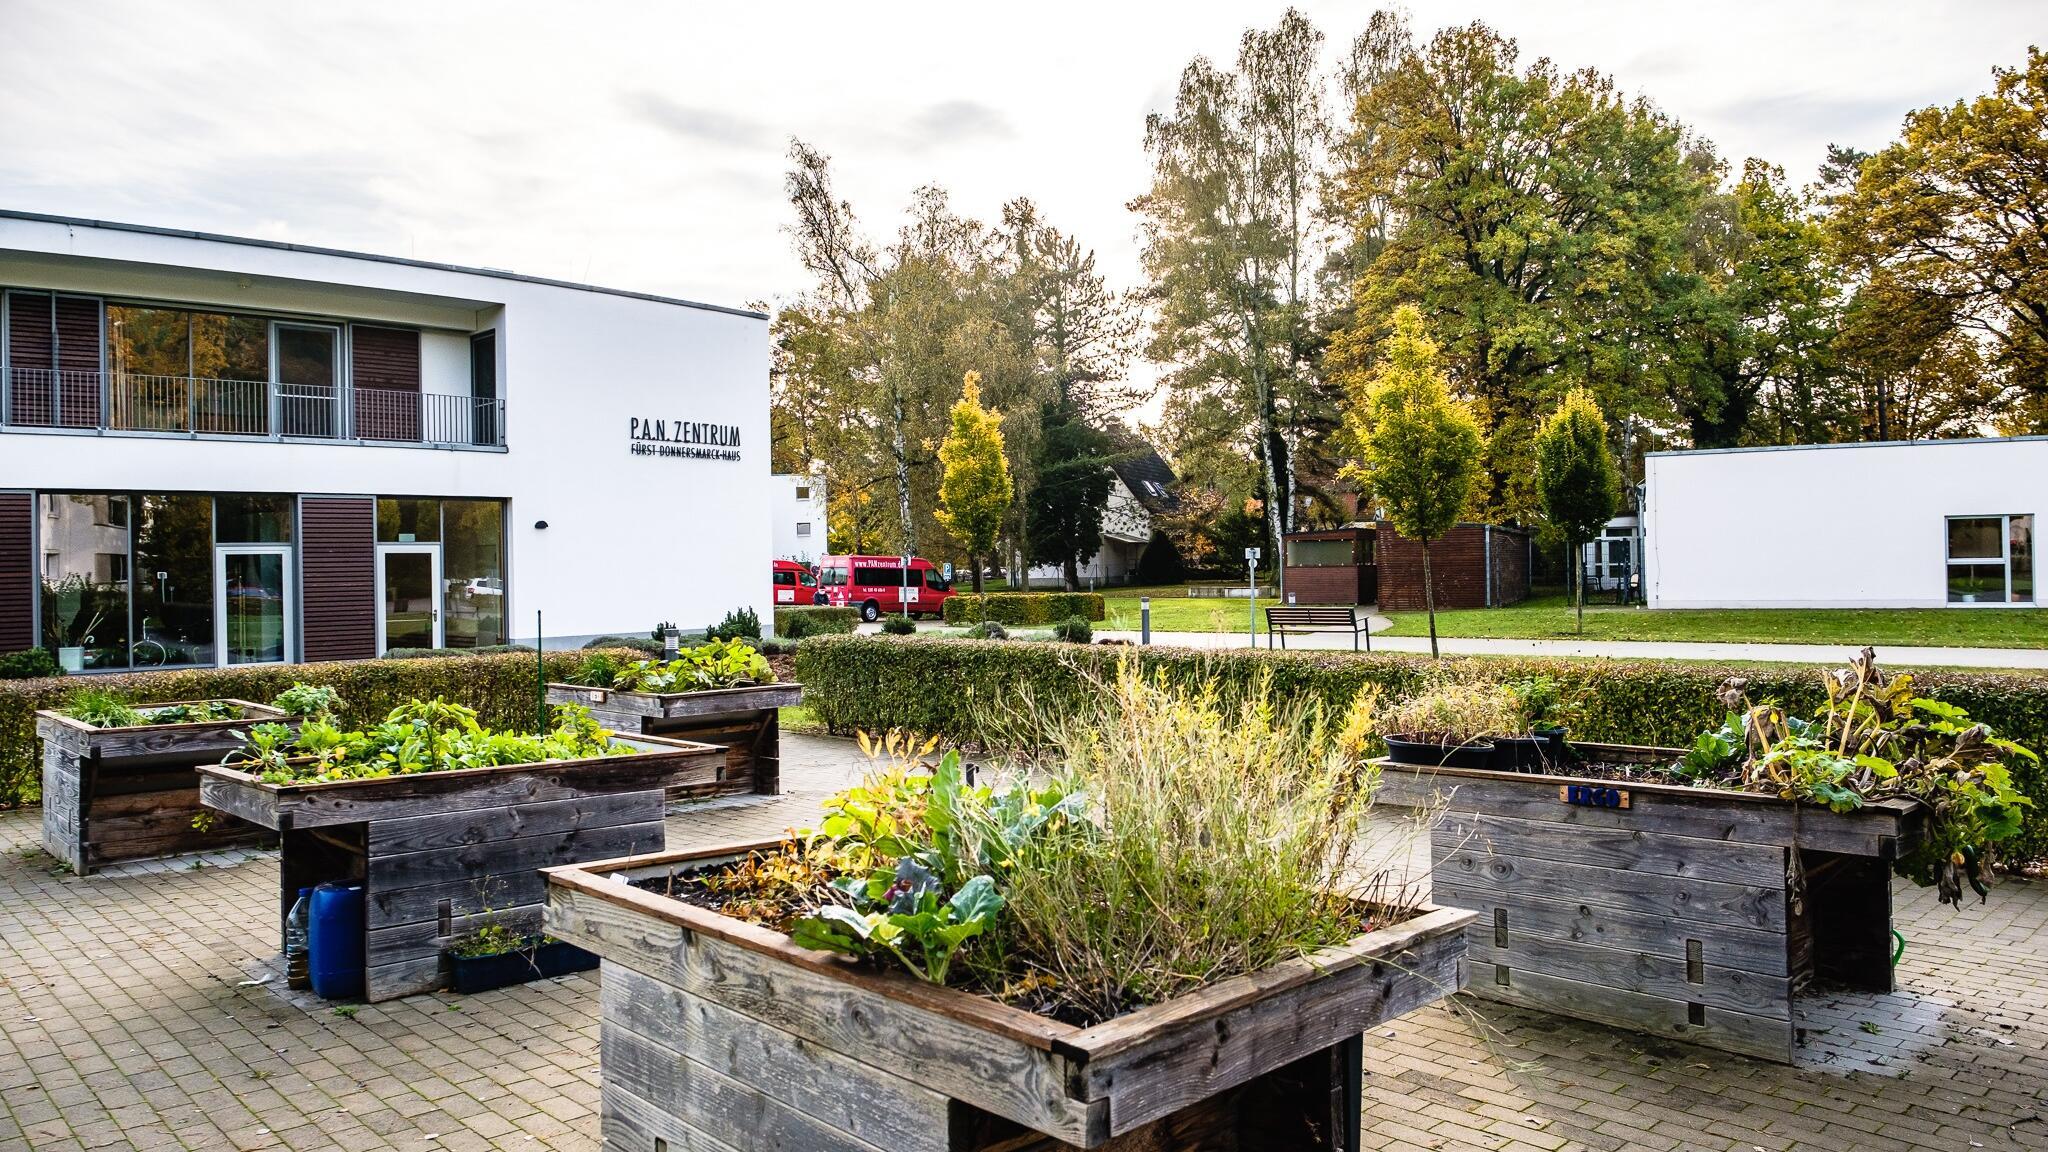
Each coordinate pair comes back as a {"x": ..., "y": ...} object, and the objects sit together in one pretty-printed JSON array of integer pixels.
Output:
[{"x": 132, "y": 402}]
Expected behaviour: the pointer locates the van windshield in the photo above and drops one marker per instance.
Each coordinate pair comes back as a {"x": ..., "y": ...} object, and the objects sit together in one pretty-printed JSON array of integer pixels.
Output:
[
  {"x": 807, "y": 580},
  {"x": 936, "y": 580},
  {"x": 832, "y": 577}
]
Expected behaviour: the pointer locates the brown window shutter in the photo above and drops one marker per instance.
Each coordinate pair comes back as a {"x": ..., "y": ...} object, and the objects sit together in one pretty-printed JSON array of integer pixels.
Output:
[
  {"x": 338, "y": 577},
  {"x": 31, "y": 353},
  {"x": 17, "y": 571},
  {"x": 79, "y": 349},
  {"x": 384, "y": 367}
]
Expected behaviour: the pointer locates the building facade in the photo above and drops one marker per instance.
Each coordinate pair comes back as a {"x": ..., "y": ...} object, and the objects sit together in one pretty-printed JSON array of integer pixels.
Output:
[
  {"x": 220, "y": 451},
  {"x": 1921, "y": 524},
  {"x": 1141, "y": 486},
  {"x": 799, "y": 517}
]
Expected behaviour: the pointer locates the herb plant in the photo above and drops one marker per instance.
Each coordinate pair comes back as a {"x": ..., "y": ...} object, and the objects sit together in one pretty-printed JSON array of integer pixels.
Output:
[
  {"x": 418, "y": 736},
  {"x": 718, "y": 664},
  {"x": 303, "y": 699}
]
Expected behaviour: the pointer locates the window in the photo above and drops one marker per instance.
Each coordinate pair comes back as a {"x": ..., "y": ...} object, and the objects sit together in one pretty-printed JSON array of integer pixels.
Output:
[
  {"x": 832, "y": 577},
  {"x": 936, "y": 580},
  {"x": 472, "y": 571},
  {"x": 1321, "y": 553},
  {"x": 785, "y": 579},
  {"x": 803, "y": 491},
  {"x": 253, "y": 519},
  {"x": 174, "y": 595},
  {"x": 85, "y": 580},
  {"x": 807, "y": 580},
  {"x": 872, "y": 577},
  {"x": 401, "y": 521},
  {"x": 803, "y": 527},
  {"x": 1991, "y": 559}
]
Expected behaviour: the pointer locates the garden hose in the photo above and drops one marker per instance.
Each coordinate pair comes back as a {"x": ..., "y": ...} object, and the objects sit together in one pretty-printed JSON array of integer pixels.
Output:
[{"x": 1901, "y": 949}]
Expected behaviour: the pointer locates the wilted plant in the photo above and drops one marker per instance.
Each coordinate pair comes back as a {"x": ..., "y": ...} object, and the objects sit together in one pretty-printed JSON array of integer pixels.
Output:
[{"x": 1454, "y": 712}]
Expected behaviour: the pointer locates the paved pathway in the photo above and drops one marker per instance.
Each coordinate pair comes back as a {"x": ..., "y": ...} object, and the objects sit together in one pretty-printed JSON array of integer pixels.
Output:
[
  {"x": 143, "y": 1008},
  {"x": 2020, "y": 658}
]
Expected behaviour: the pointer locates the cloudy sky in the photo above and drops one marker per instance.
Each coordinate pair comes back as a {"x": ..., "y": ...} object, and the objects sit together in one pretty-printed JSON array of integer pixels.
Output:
[{"x": 642, "y": 146}]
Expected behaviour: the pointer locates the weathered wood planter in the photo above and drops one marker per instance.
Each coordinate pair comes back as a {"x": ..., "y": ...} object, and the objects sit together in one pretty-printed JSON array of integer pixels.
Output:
[
  {"x": 112, "y": 794},
  {"x": 742, "y": 720},
  {"x": 719, "y": 1033},
  {"x": 1695, "y": 913},
  {"x": 441, "y": 854}
]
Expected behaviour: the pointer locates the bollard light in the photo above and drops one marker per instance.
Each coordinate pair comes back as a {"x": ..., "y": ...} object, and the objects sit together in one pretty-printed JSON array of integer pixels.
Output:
[{"x": 1144, "y": 620}]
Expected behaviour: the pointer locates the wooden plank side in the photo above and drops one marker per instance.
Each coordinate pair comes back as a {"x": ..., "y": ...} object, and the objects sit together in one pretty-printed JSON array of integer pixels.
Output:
[
  {"x": 1762, "y": 951},
  {"x": 1627, "y": 849},
  {"x": 1208, "y": 1057},
  {"x": 738, "y": 1111},
  {"x": 242, "y": 800},
  {"x": 483, "y": 825},
  {"x": 408, "y": 977},
  {"x": 436, "y": 793},
  {"x": 1462, "y": 868},
  {"x": 1725, "y": 1030},
  {"x": 465, "y": 895},
  {"x": 854, "y": 1097},
  {"x": 996, "y": 1073},
  {"x": 1753, "y": 993},
  {"x": 392, "y": 873},
  {"x": 631, "y": 1124}
]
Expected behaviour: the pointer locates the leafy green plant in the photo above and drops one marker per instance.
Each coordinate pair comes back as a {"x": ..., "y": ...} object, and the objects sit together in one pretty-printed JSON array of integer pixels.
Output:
[
  {"x": 898, "y": 625},
  {"x": 1537, "y": 702},
  {"x": 1073, "y": 630},
  {"x": 493, "y": 939},
  {"x": 797, "y": 622},
  {"x": 417, "y": 736},
  {"x": 195, "y": 712},
  {"x": 596, "y": 670},
  {"x": 739, "y": 624},
  {"x": 302, "y": 699},
  {"x": 102, "y": 709},
  {"x": 717, "y": 664}
]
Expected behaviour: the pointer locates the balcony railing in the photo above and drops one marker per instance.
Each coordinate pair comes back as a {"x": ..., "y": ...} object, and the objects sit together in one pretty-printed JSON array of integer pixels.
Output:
[{"x": 128, "y": 402}]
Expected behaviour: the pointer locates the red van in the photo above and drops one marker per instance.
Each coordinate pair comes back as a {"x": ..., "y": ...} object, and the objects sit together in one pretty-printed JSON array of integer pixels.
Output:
[
  {"x": 879, "y": 584},
  {"x": 795, "y": 585}
]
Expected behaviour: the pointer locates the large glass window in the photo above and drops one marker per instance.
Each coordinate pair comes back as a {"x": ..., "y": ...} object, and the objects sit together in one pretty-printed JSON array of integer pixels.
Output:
[
  {"x": 408, "y": 521},
  {"x": 173, "y": 581},
  {"x": 85, "y": 579},
  {"x": 1321, "y": 553},
  {"x": 473, "y": 572},
  {"x": 1990, "y": 559},
  {"x": 253, "y": 519}
]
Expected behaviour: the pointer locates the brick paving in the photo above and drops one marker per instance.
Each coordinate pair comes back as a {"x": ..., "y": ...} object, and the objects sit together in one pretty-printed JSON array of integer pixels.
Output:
[{"x": 144, "y": 1008}]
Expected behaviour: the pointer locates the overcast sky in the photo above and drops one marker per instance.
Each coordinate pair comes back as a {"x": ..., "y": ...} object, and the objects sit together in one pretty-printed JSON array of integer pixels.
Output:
[{"x": 642, "y": 146}]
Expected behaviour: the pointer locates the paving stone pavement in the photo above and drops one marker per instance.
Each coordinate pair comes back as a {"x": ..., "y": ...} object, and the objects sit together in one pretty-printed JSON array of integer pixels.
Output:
[{"x": 144, "y": 1008}]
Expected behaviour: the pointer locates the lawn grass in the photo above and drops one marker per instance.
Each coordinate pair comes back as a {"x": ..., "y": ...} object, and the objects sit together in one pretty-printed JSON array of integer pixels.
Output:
[
  {"x": 1173, "y": 610},
  {"x": 1549, "y": 616}
]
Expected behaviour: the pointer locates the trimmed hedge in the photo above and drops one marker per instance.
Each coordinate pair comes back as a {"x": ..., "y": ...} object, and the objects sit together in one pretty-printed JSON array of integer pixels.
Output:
[
  {"x": 815, "y": 620},
  {"x": 500, "y": 688},
  {"x": 1026, "y": 608},
  {"x": 931, "y": 686},
  {"x": 445, "y": 653}
]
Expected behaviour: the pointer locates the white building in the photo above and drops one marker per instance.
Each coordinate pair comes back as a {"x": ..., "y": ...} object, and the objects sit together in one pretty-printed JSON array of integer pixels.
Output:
[
  {"x": 1141, "y": 485},
  {"x": 799, "y": 517},
  {"x": 1922, "y": 524},
  {"x": 216, "y": 450}
]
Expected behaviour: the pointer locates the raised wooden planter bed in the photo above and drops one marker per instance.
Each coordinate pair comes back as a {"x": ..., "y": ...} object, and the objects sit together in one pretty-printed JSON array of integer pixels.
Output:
[
  {"x": 1696, "y": 913},
  {"x": 741, "y": 720},
  {"x": 440, "y": 854},
  {"x": 719, "y": 1033},
  {"x": 112, "y": 794}
]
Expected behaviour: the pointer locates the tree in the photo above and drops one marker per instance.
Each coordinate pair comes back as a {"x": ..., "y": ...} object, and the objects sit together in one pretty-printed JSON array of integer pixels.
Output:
[
  {"x": 1575, "y": 477},
  {"x": 1072, "y": 491},
  {"x": 975, "y": 490},
  {"x": 1954, "y": 215},
  {"x": 1420, "y": 448}
]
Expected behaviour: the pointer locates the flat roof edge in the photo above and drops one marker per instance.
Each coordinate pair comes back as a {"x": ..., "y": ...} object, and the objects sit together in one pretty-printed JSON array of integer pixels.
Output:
[
  {"x": 1847, "y": 444},
  {"x": 372, "y": 257}
]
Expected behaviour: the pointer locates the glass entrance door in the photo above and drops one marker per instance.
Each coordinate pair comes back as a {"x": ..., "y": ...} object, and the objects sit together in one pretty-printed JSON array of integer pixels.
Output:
[
  {"x": 252, "y": 587},
  {"x": 308, "y": 375},
  {"x": 408, "y": 596}
]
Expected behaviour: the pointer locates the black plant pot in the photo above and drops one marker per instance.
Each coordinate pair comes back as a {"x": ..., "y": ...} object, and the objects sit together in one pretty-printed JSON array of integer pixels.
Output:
[
  {"x": 483, "y": 973},
  {"x": 1542, "y": 751},
  {"x": 1429, "y": 754}
]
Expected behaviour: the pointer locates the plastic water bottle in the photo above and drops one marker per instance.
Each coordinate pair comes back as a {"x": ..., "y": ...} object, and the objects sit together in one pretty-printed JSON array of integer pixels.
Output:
[{"x": 298, "y": 972}]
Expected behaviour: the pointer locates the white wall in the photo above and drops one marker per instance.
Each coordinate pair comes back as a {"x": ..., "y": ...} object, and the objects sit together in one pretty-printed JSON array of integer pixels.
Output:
[
  {"x": 1836, "y": 526},
  {"x": 631, "y": 539},
  {"x": 444, "y": 363},
  {"x": 789, "y": 511}
]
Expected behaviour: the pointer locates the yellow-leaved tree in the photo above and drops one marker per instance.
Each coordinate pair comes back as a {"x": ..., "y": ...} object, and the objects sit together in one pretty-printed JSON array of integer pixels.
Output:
[{"x": 975, "y": 490}]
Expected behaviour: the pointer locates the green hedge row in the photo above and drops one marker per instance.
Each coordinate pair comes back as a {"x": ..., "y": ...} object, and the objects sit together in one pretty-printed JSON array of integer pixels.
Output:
[
  {"x": 934, "y": 687},
  {"x": 501, "y": 689},
  {"x": 815, "y": 620},
  {"x": 1026, "y": 608}
]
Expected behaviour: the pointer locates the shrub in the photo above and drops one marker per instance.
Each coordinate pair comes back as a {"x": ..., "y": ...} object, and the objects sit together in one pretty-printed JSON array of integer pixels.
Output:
[
  {"x": 739, "y": 624},
  {"x": 500, "y": 688},
  {"x": 1026, "y": 608},
  {"x": 1073, "y": 630},
  {"x": 819, "y": 620},
  {"x": 29, "y": 664},
  {"x": 640, "y": 644},
  {"x": 950, "y": 688},
  {"x": 988, "y": 630},
  {"x": 898, "y": 625},
  {"x": 436, "y": 653}
]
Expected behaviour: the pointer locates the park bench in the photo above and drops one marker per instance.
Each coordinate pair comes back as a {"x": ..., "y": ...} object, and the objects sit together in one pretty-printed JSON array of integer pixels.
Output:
[{"x": 1282, "y": 619}]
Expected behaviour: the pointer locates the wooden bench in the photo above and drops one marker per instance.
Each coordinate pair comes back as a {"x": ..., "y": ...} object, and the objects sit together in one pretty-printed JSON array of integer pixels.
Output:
[{"x": 1282, "y": 619}]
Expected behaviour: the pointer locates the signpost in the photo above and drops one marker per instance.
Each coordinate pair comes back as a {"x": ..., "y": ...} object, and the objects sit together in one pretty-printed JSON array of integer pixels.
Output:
[{"x": 1251, "y": 556}]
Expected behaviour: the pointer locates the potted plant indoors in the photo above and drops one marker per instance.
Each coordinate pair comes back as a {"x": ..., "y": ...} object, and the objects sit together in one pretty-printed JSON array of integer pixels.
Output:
[
  {"x": 1700, "y": 893},
  {"x": 429, "y": 812},
  {"x": 949, "y": 965},
  {"x": 121, "y": 780},
  {"x": 1450, "y": 724},
  {"x": 720, "y": 692}
]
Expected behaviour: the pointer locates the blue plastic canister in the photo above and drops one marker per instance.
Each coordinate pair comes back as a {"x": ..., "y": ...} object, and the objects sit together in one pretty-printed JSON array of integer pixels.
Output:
[{"x": 334, "y": 944}]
